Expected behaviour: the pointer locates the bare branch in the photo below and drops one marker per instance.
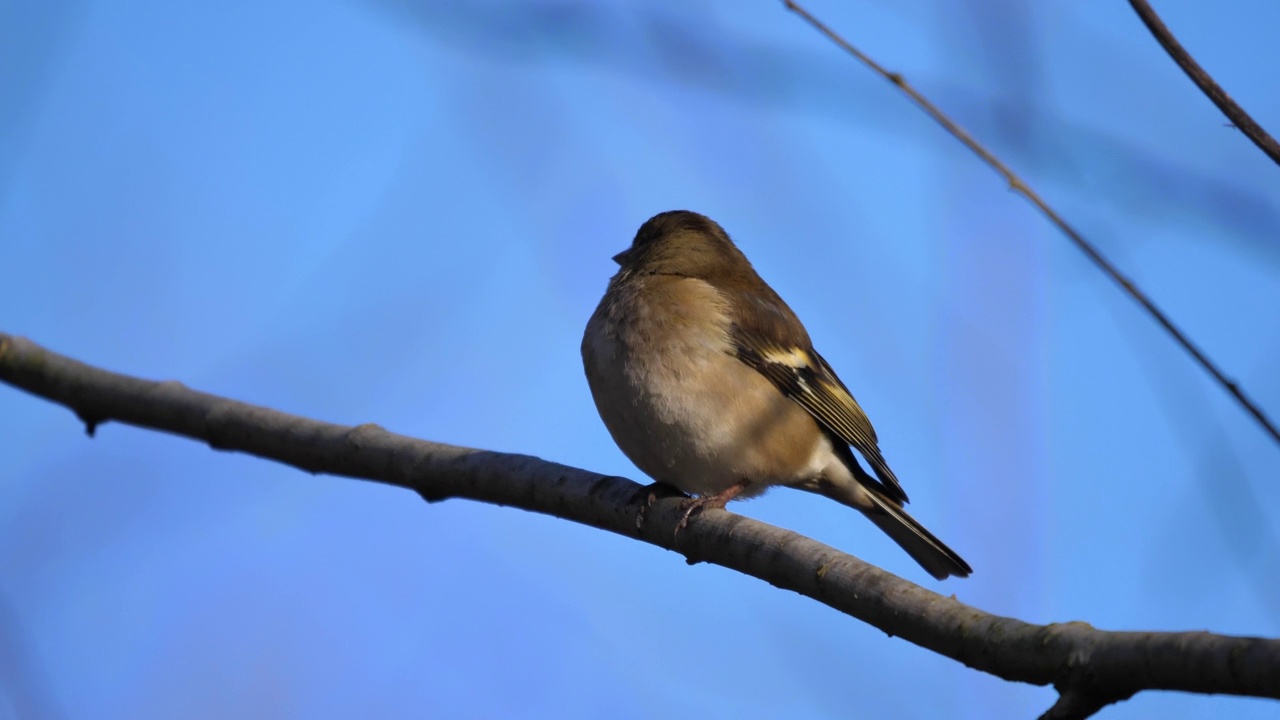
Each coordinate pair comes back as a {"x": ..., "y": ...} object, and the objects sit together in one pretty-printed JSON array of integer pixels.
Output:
[
  {"x": 1018, "y": 185},
  {"x": 1076, "y": 704},
  {"x": 1088, "y": 666},
  {"x": 1205, "y": 82}
]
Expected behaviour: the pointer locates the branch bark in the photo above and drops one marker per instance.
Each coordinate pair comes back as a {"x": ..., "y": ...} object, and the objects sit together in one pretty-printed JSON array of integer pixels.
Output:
[
  {"x": 1091, "y": 668},
  {"x": 1205, "y": 81}
]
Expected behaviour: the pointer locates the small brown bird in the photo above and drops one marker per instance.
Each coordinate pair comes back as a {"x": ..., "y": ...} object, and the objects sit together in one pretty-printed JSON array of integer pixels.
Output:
[{"x": 708, "y": 382}]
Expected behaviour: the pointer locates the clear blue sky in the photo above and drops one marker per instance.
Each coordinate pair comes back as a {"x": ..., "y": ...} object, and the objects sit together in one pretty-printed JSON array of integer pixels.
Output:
[{"x": 402, "y": 212}]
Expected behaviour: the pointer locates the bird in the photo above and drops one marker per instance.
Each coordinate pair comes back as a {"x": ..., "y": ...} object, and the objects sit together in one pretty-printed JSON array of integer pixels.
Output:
[{"x": 709, "y": 383}]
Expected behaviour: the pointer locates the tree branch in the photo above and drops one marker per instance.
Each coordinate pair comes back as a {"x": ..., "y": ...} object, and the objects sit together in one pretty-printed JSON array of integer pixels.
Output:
[
  {"x": 1205, "y": 82},
  {"x": 1018, "y": 185},
  {"x": 1074, "y": 704},
  {"x": 1089, "y": 667}
]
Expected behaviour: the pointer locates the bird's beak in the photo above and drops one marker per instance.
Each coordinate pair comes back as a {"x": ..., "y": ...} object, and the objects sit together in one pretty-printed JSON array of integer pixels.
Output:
[{"x": 622, "y": 257}]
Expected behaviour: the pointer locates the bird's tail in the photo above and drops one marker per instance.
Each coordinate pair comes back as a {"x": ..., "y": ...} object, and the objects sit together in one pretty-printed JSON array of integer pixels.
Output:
[{"x": 933, "y": 555}]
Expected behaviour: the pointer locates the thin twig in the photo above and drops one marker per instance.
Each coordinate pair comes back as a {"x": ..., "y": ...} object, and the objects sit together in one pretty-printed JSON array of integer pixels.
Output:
[
  {"x": 1091, "y": 667},
  {"x": 1018, "y": 185},
  {"x": 1205, "y": 82}
]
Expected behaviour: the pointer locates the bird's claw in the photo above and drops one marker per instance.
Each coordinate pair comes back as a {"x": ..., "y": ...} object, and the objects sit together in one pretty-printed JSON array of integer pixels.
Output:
[
  {"x": 649, "y": 494},
  {"x": 644, "y": 509},
  {"x": 694, "y": 506}
]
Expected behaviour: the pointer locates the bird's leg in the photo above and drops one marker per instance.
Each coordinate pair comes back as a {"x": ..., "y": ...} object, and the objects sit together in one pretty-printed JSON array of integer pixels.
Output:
[{"x": 719, "y": 500}]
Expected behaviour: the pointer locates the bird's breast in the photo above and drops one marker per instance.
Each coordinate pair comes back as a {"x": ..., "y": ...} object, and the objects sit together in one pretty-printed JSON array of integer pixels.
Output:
[{"x": 662, "y": 367}]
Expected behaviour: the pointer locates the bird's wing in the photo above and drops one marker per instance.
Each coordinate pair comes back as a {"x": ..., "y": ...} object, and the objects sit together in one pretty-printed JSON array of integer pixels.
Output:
[{"x": 789, "y": 361}]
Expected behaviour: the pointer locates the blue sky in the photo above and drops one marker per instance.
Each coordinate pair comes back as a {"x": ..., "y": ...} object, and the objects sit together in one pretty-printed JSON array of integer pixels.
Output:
[{"x": 402, "y": 212}]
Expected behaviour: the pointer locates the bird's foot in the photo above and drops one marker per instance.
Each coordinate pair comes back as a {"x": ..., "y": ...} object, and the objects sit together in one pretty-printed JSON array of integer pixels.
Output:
[
  {"x": 646, "y": 497},
  {"x": 694, "y": 506}
]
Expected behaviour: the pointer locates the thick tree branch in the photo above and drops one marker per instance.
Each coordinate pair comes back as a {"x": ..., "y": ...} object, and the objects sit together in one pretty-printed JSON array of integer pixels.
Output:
[
  {"x": 1205, "y": 82},
  {"x": 1089, "y": 667},
  {"x": 1018, "y": 185}
]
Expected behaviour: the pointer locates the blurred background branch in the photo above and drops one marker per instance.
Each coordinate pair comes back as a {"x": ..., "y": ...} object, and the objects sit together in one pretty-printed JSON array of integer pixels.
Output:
[
  {"x": 1017, "y": 184},
  {"x": 653, "y": 44},
  {"x": 1203, "y": 80}
]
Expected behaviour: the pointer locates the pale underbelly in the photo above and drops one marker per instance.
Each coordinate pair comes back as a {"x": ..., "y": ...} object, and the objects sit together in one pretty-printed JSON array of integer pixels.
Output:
[{"x": 712, "y": 423}]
